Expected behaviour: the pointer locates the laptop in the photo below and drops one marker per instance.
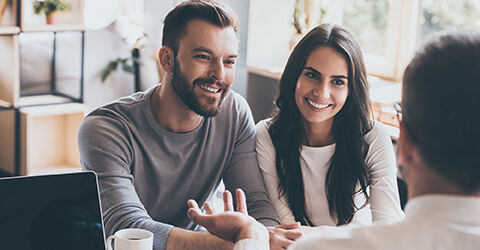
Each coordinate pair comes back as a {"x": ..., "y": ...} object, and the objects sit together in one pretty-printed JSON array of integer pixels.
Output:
[{"x": 51, "y": 212}]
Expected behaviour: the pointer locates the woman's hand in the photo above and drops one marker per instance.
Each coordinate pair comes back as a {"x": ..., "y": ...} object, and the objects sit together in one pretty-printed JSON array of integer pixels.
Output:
[{"x": 284, "y": 235}]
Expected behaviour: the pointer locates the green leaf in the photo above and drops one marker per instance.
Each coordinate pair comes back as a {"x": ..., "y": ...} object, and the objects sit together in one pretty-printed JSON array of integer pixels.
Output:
[
  {"x": 49, "y": 6},
  {"x": 111, "y": 66},
  {"x": 127, "y": 68}
]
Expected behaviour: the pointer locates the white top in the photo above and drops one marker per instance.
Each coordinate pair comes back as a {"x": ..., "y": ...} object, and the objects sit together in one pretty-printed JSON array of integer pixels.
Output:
[
  {"x": 384, "y": 206},
  {"x": 250, "y": 244},
  {"x": 440, "y": 222}
]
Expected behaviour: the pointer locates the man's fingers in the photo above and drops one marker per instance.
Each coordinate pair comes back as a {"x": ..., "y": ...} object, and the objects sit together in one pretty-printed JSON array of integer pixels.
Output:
[
  {"x": 208, "y": 208},
  {"x": 199, "y": 218},
  {"x": 192, "y": 204},
  {"x": 194, "y": 212},
  {"x": 295, "y": 225},
  {"x": 241, "y": 201},
  {"x": 227, "y": 201}
]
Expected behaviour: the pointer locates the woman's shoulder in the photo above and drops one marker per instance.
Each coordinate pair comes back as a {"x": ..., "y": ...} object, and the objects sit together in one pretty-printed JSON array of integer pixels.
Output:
[
  {"x": 263, "y": 138},
  {"x": 380, "y": 154},
  {"x": 377, "y": 132},
  {"x": 263, "y": 126}
]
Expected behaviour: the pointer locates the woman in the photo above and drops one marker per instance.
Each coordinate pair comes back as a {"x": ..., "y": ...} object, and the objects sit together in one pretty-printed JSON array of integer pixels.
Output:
[{"x": 323, "y": 160}]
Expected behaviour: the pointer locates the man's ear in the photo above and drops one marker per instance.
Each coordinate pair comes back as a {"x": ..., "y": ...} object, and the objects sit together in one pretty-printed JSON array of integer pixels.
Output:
[
  {"x": 166, "y": 58},
  {"x": 405, "y": 146}
]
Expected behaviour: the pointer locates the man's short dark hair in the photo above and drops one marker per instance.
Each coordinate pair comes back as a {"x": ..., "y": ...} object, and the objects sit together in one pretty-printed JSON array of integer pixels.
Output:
[
  {"x": 212, "y": 11},
  {"x": 441, "y": 106}
]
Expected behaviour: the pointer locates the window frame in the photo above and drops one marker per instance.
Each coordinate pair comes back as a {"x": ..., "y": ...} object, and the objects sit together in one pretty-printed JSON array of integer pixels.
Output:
[{"x": 402, "y": 30}]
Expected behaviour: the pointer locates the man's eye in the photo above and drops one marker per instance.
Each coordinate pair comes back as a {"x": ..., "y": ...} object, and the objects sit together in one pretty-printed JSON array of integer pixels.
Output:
[
  {"x": 231, "y": 62},
  {"x": 311, "y": 75},
  {"x": 203, "y": 57}
]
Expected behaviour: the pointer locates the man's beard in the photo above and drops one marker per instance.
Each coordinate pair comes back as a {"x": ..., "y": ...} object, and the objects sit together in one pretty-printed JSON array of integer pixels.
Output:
[{"x": 185, "y": 91}]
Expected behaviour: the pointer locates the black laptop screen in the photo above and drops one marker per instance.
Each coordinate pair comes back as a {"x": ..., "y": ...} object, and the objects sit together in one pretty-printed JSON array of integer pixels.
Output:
[{"x": 51, "y": 212}]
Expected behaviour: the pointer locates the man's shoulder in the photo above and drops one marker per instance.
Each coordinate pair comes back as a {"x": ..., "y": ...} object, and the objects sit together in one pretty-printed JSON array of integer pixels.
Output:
[
  {"x": 234, "y": 106},
  {"x": 124, "y": 107},
  {"x": 235, "y": 101},
  {"x": 118, "y": 114}
]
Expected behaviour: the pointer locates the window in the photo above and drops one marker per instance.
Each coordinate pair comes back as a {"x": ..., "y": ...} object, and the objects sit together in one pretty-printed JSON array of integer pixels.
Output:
[
  {"x": 367, "y": 21},
  {"x": 389, "y": 31},
  {"x": 384, "y": 29},
  {"x": 447, "y": 15}
]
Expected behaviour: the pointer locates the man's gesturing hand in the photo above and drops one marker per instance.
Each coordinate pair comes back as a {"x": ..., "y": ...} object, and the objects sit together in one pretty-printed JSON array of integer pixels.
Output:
[{"x": 230, "y": 225}]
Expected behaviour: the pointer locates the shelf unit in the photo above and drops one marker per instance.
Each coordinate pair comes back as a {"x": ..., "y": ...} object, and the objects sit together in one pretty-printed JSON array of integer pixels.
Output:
[
  {"x": 8, "y": 19},
  {"x": 7, "y": 133},
  {"x": 48, "y": 138},
  {"x": 71, "y": 20},
  {"x": 39, "y": 130},
  {"x": 10, "y": 69}
]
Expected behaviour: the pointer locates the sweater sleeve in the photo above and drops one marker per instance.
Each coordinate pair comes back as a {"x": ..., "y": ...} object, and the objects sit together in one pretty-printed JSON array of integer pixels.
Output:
[
  {"x": 105, "y": 148},
  {"x": 266, "y": 161},
  {"x": 382, "y": 168},
  {"x": 243, "y": 171}
]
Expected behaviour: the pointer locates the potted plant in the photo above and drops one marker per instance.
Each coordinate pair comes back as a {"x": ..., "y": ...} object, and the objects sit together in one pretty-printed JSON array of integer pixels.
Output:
[
  {"x": 50, "y": 8},
  {"x": 305, "y": 15}
]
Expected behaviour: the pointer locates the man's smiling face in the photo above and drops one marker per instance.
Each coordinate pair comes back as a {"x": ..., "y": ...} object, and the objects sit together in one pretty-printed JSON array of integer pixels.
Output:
[{"x": 204, "y": 66}]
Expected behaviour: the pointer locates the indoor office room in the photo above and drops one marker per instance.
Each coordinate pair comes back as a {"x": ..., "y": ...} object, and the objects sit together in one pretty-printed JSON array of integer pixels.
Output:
[{"x": 124, "y": 119}]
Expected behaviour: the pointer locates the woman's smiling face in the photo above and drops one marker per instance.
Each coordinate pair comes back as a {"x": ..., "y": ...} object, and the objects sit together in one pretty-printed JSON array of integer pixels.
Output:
[{"x": 322, "y": 87}]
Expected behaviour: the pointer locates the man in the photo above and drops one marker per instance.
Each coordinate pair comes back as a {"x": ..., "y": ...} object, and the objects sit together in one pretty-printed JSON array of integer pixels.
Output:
[
  {"x": 156, "y": 149},
  {"x": 439, "y": 156}
]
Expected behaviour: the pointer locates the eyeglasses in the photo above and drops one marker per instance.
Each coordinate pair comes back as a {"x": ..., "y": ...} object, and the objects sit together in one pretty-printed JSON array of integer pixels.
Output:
[{"x": 398, "y": 109}]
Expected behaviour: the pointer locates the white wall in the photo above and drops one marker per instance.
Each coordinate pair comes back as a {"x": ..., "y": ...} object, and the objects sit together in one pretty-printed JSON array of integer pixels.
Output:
[
  {"x": 270, "y": 29},
  {"x": 101, "y": 47},
  {"x": 104, "y": 45}
]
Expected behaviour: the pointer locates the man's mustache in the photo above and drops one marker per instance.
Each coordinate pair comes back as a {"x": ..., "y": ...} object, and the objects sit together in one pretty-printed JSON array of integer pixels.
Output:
[{"x": 220, "y": 84}]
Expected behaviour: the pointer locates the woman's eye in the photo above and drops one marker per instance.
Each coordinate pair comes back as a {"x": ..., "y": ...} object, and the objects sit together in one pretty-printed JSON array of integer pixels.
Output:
[
  {"x": 338, "y": 82},
  {"x": 312, "y": 75}
]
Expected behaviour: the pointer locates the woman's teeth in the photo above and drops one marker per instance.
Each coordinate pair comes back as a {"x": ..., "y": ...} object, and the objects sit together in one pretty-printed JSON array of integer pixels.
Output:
[{"x": 317, "y": 105}]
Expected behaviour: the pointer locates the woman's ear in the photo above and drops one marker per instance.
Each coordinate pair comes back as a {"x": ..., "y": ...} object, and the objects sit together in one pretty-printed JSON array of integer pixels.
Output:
[{"x": 166, "y": 58}]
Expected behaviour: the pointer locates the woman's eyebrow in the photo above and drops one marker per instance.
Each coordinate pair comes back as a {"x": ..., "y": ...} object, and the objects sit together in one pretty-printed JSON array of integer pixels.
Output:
[{"x": 314, "y": 70}]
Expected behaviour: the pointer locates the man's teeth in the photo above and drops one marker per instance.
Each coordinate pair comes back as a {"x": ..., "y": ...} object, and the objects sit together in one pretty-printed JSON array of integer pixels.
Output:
[
  {"x": 213, "y": 90},
  {"x": 316, "y": 105}
]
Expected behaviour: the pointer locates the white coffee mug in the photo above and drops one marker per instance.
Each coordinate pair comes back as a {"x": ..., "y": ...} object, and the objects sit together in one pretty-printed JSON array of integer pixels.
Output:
[{"x": 131, "y": 238}]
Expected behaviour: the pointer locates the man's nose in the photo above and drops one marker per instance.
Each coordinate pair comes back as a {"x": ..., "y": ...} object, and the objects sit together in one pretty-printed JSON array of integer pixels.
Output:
[{"x": 217, "y": 71}]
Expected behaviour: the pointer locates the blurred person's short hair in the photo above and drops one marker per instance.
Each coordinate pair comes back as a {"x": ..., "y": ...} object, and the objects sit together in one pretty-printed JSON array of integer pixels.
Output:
[{"x": 441, "y": 106}]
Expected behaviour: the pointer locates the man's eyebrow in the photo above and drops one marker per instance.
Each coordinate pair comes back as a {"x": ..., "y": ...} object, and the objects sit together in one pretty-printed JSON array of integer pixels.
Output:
[
  {"x": 209, "y": 51},
  {"x": 202, "y": 49},
  {"x": 335, "y": 76}
]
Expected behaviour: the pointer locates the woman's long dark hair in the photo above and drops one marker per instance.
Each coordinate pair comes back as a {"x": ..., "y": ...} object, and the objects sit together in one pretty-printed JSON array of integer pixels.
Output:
[{"x": 347, "y": 165}]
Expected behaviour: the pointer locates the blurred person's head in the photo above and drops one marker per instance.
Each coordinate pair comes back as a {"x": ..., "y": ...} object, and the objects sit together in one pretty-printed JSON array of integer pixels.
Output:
[
  {"x": 200, "y": 48},
  {"x": 439, "y": 148}
]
